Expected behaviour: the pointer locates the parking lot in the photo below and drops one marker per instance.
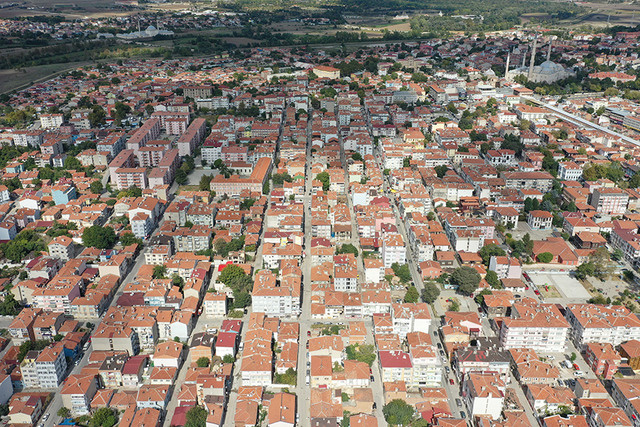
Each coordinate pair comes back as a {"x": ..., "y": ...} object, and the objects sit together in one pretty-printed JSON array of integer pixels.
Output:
[{"x": 570, "y": 288}]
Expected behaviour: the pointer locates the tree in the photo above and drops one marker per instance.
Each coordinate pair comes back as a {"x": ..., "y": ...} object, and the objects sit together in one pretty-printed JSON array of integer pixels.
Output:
[
  {"x": 99, "y": 237},
  {"x": 159, "y": 272},
  {"x": 412, "y": 295},
  {"x": 231, "y": 273},
  {"x": 104, "y": 417},
  {"x": 479, "y": 299},
  {"x": 430, "y": 293},
  {"x": 573, "y": 357},
  {"x": 203, "y": 362},
  {"x": 487, "y": 251},
  {"x": 398, "y": 412},
  {"x": 362, "y": 353},
  {"x": 96, "y": 187},
  {"x": 196, "y": 417},
  {"x": 205, "y": 183},
  {"x": 545, "y": 257},
  {"x": 347, "y": 248},
  {"x": 127, "y": 239},
  {"x": 492, "y": 279},
  {"x": 585, "y": 269},
  {"x": 64, "y": 412},
  {"x": 325, "y": 179},
  {"x": 467, "y": 279},
  {"x": 356, "y": 157},
  {"x": 228, "y": 359},
  {"x": 72, "y": 163},
  {"x": 617, "y": 254},
  {"x": 402, "y": 272},
  {"x": 265, "y": 188},
  {"x": 441, "y": 170},
  {"x": 181, "y": 177}
]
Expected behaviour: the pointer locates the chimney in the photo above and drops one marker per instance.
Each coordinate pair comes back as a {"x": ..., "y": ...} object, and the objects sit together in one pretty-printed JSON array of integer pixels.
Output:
[{"x": 533, "y": 58}]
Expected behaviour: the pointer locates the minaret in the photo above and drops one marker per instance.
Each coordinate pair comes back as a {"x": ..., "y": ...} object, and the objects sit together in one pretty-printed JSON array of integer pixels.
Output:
[
  {"x": 533, "y": 58},
  {"x": 549, "y": 52},
  {"x": 506, "y": 68}
]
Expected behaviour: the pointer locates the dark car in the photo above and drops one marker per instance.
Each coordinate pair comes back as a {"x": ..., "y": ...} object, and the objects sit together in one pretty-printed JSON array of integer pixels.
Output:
[{"x": 463, "y": 415}]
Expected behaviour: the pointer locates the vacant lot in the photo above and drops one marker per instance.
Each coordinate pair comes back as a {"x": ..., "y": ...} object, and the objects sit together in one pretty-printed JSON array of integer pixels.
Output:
[{"x": 19, "y": 79}]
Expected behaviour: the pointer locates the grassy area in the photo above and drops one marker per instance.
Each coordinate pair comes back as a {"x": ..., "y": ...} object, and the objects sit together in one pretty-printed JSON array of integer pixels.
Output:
[{"x": 18, "y": 79}]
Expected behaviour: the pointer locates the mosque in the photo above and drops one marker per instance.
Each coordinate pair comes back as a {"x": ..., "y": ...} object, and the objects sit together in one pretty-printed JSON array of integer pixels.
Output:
[
  {"x": 149, "y": 33},
  {"x": 547, "y": 72}
]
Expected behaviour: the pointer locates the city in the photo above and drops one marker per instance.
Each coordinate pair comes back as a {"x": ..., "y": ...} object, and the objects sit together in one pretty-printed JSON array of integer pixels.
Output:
[{"x": 438, "y": 232}]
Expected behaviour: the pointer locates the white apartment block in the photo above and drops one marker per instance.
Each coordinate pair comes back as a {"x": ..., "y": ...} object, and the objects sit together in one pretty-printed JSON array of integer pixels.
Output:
[
  {"x": 591, "y": 323},
  {"x": 393, "y": 250}
]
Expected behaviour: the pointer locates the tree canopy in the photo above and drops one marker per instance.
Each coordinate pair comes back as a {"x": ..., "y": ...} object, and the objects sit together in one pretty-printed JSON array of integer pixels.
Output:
[
  {"x": 467, "y": 279},
  {"x": 398, "y": 412},
  {"x": 430, "y": 293},
  {"x": 99, "y": 237}
]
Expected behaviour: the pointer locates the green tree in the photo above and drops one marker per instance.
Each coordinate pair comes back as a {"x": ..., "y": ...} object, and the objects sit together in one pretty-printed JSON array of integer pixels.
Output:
[
  {"x": 347, "y": 248},
  {"x": 325, "y": 179},
  {"x": 228, "y": 359},
  {"x": 104, "y": 417},
  {"x": 160, "y": 272},
  {"x": 487, "y": 251},
  {"x": 398, "y": 413},
  {"x": 492, "y": 279},
  {"x": 64, "y": 412},
  {"x": 430, "y": 293},
  {"x": 545, "y": 257},
  {"x": 99, "y": 237},
  {"x": 467, "y": 279},
  {"x": 127, "y": 239},
  {"x": 441, "y": 170},
  {"x": 196, "y": 417},
  {"x": 72, "y": 163},
  {"x": 402, "y": 272},
  {"x": 205, "y": 183},
  {"x": 96, "y": 187},
  {"x": 479, "y": 299},
  {"x": 203, "y": 362},
  {"x": 181, "y": 177},
  {"x": 231, "y": 273},
  {"x": 412, "y": 295},
  {"x": 362, "y": 353}
]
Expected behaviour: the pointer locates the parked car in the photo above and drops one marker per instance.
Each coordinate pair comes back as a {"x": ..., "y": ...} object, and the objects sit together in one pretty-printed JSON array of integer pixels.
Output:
[
  {"x": 308, "y": 333},
  {"x": 458, "y": 403},
  {"x": 451, "y": 381},
  {"x": 463, "y": 415}
]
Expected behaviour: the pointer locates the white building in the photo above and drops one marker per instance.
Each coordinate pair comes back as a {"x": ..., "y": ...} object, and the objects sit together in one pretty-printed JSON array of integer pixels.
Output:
[
  {"x": 484, "y": 394},
  {"x": 540, "y": 327},
  {"x": 569, "y": 171},
  {"x": 393, "y": 250},
  {"x": 591, "y": 323}
]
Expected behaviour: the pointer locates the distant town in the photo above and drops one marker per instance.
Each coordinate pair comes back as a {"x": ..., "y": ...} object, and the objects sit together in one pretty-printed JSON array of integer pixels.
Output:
[{"x": 442, "y": 232}]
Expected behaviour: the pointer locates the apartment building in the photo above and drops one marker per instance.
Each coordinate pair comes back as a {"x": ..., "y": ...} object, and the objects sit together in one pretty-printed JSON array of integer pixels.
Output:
[
  {"x": 540, "y": 327},
  {"x": 594, "y": 323},
  {"x": 393, "y": 250},
  {"x": 610, "y": 201}
]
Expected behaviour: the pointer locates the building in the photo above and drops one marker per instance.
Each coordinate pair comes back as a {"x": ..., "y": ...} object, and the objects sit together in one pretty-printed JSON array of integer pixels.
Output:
[
  {"x": 569, "y": 171},
  {"x": 393, "y": 250},
  {"x": 484, "y": 394},
  {"x": 539, "y": 220},
  {"x": 610, "y": 201},
  {"x": 324, "y": 71},
  {"x": 594, "y": 323},
  {"x": 540, "y": 327}
]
